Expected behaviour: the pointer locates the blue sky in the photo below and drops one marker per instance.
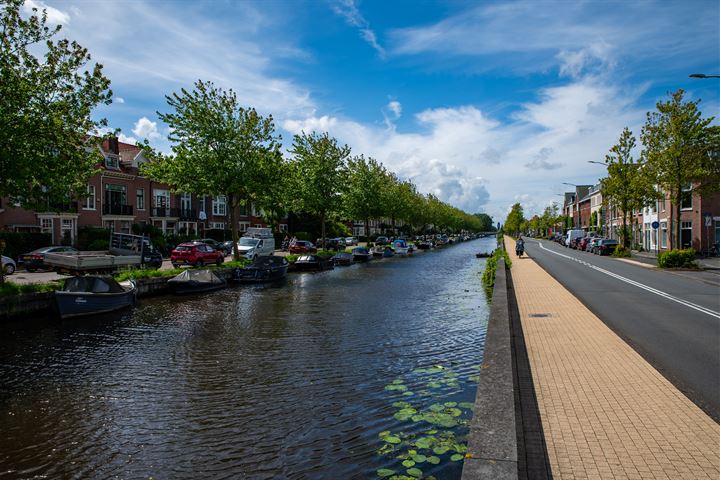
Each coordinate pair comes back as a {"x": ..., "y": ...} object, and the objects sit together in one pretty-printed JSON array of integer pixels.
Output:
[{"x": 482, "y": 103}]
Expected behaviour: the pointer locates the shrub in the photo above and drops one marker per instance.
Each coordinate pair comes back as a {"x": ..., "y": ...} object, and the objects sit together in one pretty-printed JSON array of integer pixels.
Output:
[
  {"x": 302, "y": 236},
  {"x": 677, "y": 258},
  {"x": 488, "y": 276},
  {"x": 99, "y": 245},
  {"x": 17, "y": 243},
  {"x": 10, "y": 288},
  {"x": 291, "y": 258},
  {"x": 88, "y": 235},
  {"x": 621, "y": 252}
]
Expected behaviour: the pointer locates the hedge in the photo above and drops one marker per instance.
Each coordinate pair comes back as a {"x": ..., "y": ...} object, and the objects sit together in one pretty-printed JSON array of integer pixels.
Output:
[
  {"x": 17, "y": 243},
  {"x": 488, "y": 276},
  {"x": 677, "y": 259}
]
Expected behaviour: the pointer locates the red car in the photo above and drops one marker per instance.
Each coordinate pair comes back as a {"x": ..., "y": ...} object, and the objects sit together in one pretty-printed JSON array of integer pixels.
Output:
[
  {"x": 196, "y": 254},
  {"x": 302, "y": 246},
  {"x": 583, "y": 243}
]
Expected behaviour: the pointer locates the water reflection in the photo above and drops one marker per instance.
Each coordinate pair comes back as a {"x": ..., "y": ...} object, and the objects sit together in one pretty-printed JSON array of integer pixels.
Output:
[{"x": 261, "y": 382}]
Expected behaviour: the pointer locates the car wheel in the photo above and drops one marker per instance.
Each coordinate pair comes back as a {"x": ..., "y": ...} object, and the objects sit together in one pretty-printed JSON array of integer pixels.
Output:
[
  {"x": 9, "y": 269},
  {"x": 200, "y": 263}
]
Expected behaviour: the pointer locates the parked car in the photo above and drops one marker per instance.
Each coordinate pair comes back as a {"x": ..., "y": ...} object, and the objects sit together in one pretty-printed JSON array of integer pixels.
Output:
[
  {"x": 583, "y": 243},
  {"x": 592, "y": 244},
  {"x": 8, "y": 265},
  {"x": 217, "y": 245},
  {"x": 228, "y": 246},
  {"x": 331, "y": 243},
  {"x": 302, "y": 246},
  {"x": 382, "y": 241},
  {"x": 195, "y": 253},
  {"x": 606, "y": 246},
  {"x": 351, "y": 241},
  {"x": 35, "y": 260}
]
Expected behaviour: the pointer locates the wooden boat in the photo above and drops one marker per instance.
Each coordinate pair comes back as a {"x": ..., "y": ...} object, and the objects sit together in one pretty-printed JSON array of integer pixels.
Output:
[
  {"x": 196, "y": 281},
  {"x": 263, "y": 269},
  {"x": 343, "y": 258},
  {"x": 313, "y": 262},
  {"x": 361, "y": 254},
  {"x": 92, "y": 294}
]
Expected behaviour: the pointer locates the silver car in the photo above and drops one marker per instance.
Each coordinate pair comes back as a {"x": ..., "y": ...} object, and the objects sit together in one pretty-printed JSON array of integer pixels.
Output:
[{"x": 8, "y": 265}]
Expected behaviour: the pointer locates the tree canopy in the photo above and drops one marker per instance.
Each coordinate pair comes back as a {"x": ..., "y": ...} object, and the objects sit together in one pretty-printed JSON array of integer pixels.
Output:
[{"x": 514, "y": 220}]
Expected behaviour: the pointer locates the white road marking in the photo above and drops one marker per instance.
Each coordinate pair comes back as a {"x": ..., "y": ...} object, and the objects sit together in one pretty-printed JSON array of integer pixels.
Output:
[{"x": 660, "y": 293}]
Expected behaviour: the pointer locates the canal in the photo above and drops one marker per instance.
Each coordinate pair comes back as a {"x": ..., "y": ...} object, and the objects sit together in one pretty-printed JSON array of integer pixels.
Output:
[{"x": 360, "y": 372}]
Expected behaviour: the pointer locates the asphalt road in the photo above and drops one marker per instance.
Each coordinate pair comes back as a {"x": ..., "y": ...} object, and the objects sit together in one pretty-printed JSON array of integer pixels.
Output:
[{"x": 671, "y": 319}]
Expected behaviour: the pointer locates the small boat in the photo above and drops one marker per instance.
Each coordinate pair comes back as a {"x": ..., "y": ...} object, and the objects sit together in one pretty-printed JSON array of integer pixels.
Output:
[
  {"x": 483, "y": 254},
  {"x": 263, "y": 269},
  {"x": 343, "y": 259},
  {"x": 313, "y": 262},
  {"x": 400, "y": 247},
  {"x": 361, "y": 254},
  {"x": 91, "y": 294},
  {"x": 378, "y": 251},
  {"x": 411, "y": 248},
  {"x": 388, "y": 252},
  {"x": 424, "y": 246},
  {"x": 196, "y": 281}
]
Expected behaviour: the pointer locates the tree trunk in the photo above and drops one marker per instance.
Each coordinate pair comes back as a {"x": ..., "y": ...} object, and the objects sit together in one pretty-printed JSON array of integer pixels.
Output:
[
  {"x": 677, "y": 243},
  {"x": 322, "y": 230},
  {"x": 367, "y": 232},
  {"x": 232, "y": 202}
]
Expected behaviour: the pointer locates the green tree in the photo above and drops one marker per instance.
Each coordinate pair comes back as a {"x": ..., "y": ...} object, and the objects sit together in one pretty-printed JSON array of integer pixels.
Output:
[
  {"x": 486, "y": 222},
  {"x": 220, "y": 148},
  {"x": 514, "y": 220},
  {"x": 45, "y": 107},
  {"x": 680, "y": 151},
  {"x": 319, "y": 174},
  {"x": 362, "y": 194}
]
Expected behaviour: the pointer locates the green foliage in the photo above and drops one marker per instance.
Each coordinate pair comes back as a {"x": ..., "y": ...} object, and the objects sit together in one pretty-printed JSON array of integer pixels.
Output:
[
  {"x": 97, "y": 245},
  {"x": 677, "y": 258},
  {"x": 89, "y": 235},
  {"x": 362, "y": 198},
  {"x": 486, "y": 222},
  {"x": 11, "y": 288},
  {"x": 291, "y": 258},
  {"x": 514, "y": 220},
  {"x": 488, "y": 276},
  {"x": 681, "y": 149},
  {"x": 45, "y": 110},
  {"x": 621, "y": 252},
  {"x": 303, "y": 236},
  {"x": 17, "y": 243}
]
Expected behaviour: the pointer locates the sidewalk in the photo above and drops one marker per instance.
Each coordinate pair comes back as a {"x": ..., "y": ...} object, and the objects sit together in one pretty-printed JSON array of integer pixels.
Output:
[{"x": 606, "y": 413}]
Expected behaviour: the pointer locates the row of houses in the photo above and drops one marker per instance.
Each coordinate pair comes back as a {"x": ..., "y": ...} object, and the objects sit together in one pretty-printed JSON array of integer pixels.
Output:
[
  {"x": 651, "y": 226},
  {"x": 118, "y": 197}
]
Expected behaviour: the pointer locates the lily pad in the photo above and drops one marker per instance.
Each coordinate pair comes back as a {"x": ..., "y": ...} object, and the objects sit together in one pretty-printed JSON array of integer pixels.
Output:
[
  {"x": 401, "y": 405},
  {"x": 408, "y": 463},
  {"x": 457, "y": 457},
  {"x": 384, "y": 472},
  {"x": 423, "y": 442},
  {"x": 384, "y": 433},
  {"x": 455, "y": 412},
  {"x": 414, "y": 472},
  {"x": 460, "y": 448},
  {"x": 437, "y": 407},
  {"x": 392, "y": 439},
  {"x": 450, "y": 404},
  {"x": 395, "y": 388},
  {"x": 441, "y": 450},
  {"x": 397, "y": 381},
  {"x": 466, "y": 405},
  {"x": 416, "y": 418},
  {"x": 385, "y": 449},
  {"x": 434, "y": 385},
  {"x": 408, "y": 394},
  {"x": 433, "y": 459},
  {"x": 418, "y": 458}
]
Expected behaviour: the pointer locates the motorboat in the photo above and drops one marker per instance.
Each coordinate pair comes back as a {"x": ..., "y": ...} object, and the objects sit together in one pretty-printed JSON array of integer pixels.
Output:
[
  {"x": 92, "y": 294},
  {"x": 262, "y": 269},
  {"x": 424, "y": 245},
  {"x": 196, "y": 281},
  {"x": 361, "y": 254},
  {"x": 343, "y": 259},
  {"x": 388, "y": 252},
  {"x": 483, "y": 254},
  {"x": 378, "y": 251},
  {"x": 313, "y": 262},
  {"x": 400, "y": 247}
]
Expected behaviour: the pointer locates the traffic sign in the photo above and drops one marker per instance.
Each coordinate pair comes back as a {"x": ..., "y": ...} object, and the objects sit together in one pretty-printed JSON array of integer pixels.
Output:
[
  {"x": 708, "y": 220},
  {"x": 656, "y": 224}
]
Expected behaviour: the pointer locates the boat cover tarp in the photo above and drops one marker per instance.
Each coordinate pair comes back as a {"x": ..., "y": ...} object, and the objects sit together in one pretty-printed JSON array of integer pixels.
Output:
[
  {"x": 269, "y": 262},
  {"x": 195, "y": 277},
  {"x": 343, "y": 256},
  {"x": 360, "y": 251},
  {"x": 93, "y": 284}
]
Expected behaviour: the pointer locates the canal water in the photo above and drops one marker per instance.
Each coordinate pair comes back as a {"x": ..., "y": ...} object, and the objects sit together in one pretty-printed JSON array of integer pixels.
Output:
[{"x": 364, "y": 371}]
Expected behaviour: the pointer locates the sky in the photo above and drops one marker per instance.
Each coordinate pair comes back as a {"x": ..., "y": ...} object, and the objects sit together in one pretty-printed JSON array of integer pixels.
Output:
[{"x": 482, "y": 103}]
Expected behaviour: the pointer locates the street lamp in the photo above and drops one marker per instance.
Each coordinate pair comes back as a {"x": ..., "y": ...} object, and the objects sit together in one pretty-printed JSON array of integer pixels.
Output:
[
  {"x": 599, "y": 163},
  {"x": 571, "y": 184},
  {"x": 702, "y": 75}
]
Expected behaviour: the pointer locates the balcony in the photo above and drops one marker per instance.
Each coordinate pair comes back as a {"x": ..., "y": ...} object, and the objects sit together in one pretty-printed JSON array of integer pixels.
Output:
[
  {"x": 63, "y": 207},
  {"x": 110, "y": 209},
  {"x": 179, "y": 213}
]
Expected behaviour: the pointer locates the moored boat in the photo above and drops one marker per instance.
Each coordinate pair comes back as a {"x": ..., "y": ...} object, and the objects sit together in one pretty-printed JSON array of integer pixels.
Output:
[
  {"x": 263, "y": 269},
  {"x": 361, "y": 254},
  {"x": 378, "y": 251},
  {"x": 388, "y": 252},
  {"x": 196, "y": 281},
  {"x": 343, "y": 259},
  {"x": 93, "y": 294},
  {"x": 483, "y": 254},
  {"x": 400, "y": 247},
  {"x": 313, "y": 262}
]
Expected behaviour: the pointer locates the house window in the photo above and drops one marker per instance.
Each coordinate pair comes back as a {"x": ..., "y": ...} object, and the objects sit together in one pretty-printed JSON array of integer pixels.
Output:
[
  {"x": 140, "y": 198},
  {"x": 685, "y": 234},
  {"x": 185, "y": 202},
  {"x": 284, "y": 227},
  {"x": 663, "y": 234},
  {"x": 89, "y": 203},
  {"x": 243, "y": 226},
  {"x": 112, "y": 161},
  {"x": 218, "y": 226},
  {"x": 258, "y": 225},
  {"x": 46, "y": 225},
  {"x": 686, "y": 198},
  {"x": 109, "y": 224},
  {"x": 218, "y": 205},
  {"x": 124, "y": 226}
]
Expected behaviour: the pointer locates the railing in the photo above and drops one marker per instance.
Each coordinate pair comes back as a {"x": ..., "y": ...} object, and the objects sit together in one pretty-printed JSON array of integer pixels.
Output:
[
  {"x": 110, "y": 209},
  {"x": 63, "y": 207},
  {"x": 188, "y": 214},
  {"x": 180, "y": 213}
]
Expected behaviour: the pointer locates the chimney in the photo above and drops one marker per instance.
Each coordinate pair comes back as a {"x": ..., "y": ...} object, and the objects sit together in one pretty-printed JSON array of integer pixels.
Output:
[{"x": 114, "y": 145}]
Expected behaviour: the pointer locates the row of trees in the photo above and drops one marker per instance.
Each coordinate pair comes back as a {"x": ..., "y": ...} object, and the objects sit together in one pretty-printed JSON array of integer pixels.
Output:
[
  {"x": 680, "y": 154},
  {"x": 218, "y": 147},
  {"x": 222, "y": 148}
]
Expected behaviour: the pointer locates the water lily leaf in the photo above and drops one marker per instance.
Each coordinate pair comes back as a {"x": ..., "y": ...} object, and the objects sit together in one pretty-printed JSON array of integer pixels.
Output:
[
  {"x": 393, "y": 388},
  {"x": 460, "y": 448},
  {"x": 455, "y": 412},
  {"x": 457, "y": 457},
  {"x": 441, "y": 450},
  {"x": 431, "y": 432},
  {"x": 418, "y": 458},
  {"x": 435, "y": 369},
  {"x": 384, "y": 434},
  {"x": 420, "y": 370},
  {"x": 416, "y": 418},
  {"x": 384, "y": 472},
  {"x": 423, "y": 442},
  {"x": 408, "y": 394},
  {"x": 437, "y": 407},
  {"x": 450, "y": 404},
  {"x": 433, "y": 459},
  {"x": 414, "y": 472},
  {"x": 385, "y": 449},
  {"x": 466, "y": 405},
  {"x": 408, "y": 463},
  {"x": 401, "y": 405},
  {"x": 474, "y": 378},
  {"x": 392, "y": 439},
  {"x": 397, "y": 381},
  {"x": 441, "y": 419},
  {"x": 434, "y": 385},
  {"x": 412, "y": 452}
]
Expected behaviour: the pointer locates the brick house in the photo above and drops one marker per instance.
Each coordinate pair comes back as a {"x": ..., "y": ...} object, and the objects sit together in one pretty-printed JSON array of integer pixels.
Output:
[{"x": 118, "y": 197}]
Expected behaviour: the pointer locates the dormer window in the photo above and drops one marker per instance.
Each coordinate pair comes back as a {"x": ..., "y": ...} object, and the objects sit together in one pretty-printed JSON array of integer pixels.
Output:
[{"x": 112, "y": 161}]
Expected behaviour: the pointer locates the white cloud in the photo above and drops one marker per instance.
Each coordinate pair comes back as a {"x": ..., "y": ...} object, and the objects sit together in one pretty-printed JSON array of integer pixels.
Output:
[
  {"x": 349, "y": 10},
  {"x": 395, "y": 107},
  {"x": 144, "y": 128},
  {"x": 119, "y": 100},
  {"x": 125, "y": 139},
  {"x": 54, "y": 15}
]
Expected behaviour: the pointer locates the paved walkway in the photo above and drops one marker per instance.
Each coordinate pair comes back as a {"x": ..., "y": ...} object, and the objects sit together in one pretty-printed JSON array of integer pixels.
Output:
[{"x": 606, "y": 413}]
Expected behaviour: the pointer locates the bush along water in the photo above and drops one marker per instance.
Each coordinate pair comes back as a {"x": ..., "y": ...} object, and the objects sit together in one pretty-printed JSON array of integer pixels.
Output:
[
  {"x": 431, "y": 429},
  {"x": 677, "y": 259},
  {"x": 488, "y": 276}
]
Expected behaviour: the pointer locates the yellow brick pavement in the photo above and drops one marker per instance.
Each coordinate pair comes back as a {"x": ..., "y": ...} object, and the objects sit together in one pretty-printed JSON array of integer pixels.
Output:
[{"x": 606, "y": 413}]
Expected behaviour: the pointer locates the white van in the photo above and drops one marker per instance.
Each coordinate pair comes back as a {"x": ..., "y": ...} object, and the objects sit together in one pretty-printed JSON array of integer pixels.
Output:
[
  {"x": 572, "y": 235},
  {"x": 256, "y": 242}
]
